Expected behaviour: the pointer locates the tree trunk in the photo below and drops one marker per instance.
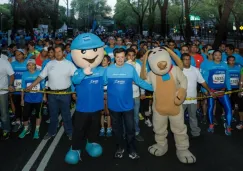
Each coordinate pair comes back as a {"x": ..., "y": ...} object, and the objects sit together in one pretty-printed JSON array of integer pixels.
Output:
[
  {"x": 55, "y": 17},
  {"x": 163, "y": 16},
  {"x": 15, "y": 18},
  {"x": 223, "y": 23},
  {"x": 151, "y": 23},
  {"x": 140, "y": 26},
  {"x": 181, "y": 28},
  {"x": 188, "y": 30}
]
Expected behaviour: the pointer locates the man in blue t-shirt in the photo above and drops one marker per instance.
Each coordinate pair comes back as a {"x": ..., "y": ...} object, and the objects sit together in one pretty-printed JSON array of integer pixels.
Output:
[{"x": 119, "y": 78}]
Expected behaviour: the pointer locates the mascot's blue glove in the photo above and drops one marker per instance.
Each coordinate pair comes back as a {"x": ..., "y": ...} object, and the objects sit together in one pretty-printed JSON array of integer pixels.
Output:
[{"x": 78, "y": 76}]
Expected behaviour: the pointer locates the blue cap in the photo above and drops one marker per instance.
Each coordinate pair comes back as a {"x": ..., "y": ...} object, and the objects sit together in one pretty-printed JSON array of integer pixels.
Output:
[{"x": 86, "y": 41}]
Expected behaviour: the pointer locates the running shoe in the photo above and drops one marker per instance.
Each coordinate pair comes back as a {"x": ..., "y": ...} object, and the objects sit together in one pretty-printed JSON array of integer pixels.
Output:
[
  {"x": 5, "y": 135},
  {"x": 119, "y": 153},
  {"x": 239, "y": 126},
  {"x": 228, "y": 131},
  {"x": 148, "y": 123},
  {"x": 211, "y": 128},
  {"x": 141, "y": 117},
  {"x": 102, "y": 132},
  {"x": 36, "y": 135},
  {"x": 17, "y": 127},
  {"x": 134, "y": 156},
  {"x": 109, "y": 132},
  {"x": 24, "y": 133}
]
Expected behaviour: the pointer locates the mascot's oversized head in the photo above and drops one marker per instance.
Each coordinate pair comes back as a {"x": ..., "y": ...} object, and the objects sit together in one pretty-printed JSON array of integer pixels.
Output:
[
  {"x": 160, "y": 62},
  {"x": 87, "y": 50}
]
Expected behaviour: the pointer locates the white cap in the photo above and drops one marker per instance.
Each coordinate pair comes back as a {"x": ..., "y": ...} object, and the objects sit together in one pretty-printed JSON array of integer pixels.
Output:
[{"x": 31, "y": 61}]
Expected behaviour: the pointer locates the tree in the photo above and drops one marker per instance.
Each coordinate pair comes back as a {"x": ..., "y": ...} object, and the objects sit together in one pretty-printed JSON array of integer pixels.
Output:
[
  {"x": 163, "y": 15},
  {"x": 228, "y": 5},
  {"x": 7, "y": 18},
  {"x": 151, "y": 16},
  {"x": 90, "y": 10},
  {"x": 139, "y": 7},
  {"x": 124, "y": 15}
]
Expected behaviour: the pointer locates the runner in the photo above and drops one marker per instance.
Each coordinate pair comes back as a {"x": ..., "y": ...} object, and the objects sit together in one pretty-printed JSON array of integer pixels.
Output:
[
  {"x": 31, "y": 101},
  {"x": 217, "y": 76},
  {"x": 105, "y": 113},
  {"x": 19, "y": 67},
  {"x": 193, "y": 77},
  {"x": 59, "y": 73},
  {"x": 119, "y": 78},
  {"x": 234, "y": 71},
  {"x": 131, "y": 56}
]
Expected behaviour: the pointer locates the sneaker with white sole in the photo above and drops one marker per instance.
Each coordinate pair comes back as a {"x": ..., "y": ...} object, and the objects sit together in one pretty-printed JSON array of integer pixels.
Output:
[
  {"x": 119, "y": 153},
  {"x": 17, "y": 127},
  {"x": 239, "y": 126},
  {"x": 148, "y": 123},
  {"x": 134, "y": 156},
  {"x": 48, "y": 136}
]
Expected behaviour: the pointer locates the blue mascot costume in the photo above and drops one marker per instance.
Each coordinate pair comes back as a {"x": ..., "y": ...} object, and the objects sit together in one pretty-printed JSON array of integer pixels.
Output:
[{"x": 87, "y": 53}]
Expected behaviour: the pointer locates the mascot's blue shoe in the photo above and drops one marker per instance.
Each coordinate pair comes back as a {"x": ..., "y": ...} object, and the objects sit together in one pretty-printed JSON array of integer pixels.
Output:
[
  {"x": 94, "y": 149},
  {"x": 73, "y": 156}
]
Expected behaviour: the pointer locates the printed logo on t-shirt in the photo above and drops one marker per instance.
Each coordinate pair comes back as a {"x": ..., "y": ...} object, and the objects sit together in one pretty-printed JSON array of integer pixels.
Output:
[
  {"x": 119, "y": 82},
  {"x": 218, "y": 78},
  {"x": 17, "y": 83},
  {"x": 94, "y": 82}
]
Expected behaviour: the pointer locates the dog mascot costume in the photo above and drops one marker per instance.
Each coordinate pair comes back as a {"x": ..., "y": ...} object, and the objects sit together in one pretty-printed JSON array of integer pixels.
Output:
[
  {"x": 87, "y": 53},
  {"x": 170, "y": 86}
]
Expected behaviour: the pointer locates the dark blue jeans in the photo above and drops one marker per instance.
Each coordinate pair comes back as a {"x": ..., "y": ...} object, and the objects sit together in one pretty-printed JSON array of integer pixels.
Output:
[
  {"x": 56, "y": 104},
  {"x": 117, "y": 128},
  {"x": 4, "y": 112}
]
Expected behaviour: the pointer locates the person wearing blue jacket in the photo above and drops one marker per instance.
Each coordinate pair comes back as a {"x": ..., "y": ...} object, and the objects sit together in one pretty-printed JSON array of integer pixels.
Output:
[
  {"x": 119, "y": 78},
  {"x": 19, "y": 66},
  {"x": 31, "y": 101},
  {"x": 235, "y": 76},
  {"x": 217, "y": 76}
]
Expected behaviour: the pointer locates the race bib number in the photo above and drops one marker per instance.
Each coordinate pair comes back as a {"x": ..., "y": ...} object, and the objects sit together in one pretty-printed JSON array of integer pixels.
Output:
[
  {"x": 218, "y": 78},
  {"x": 35, "y": 88},
  {"x": 234, "y": 81},
  {"x": 17, "y": 84}
]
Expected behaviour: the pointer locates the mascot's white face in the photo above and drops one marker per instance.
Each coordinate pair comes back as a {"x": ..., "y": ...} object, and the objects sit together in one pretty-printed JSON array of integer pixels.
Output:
[
  {"x": 159, "y": 60},
  {"x": 87, "y": 50},
  {"x": 90, "y": 57}
]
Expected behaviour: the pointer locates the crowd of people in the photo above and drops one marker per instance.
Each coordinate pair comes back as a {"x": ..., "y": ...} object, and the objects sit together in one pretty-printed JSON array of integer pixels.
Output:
[{"x": 209, "y": 72}]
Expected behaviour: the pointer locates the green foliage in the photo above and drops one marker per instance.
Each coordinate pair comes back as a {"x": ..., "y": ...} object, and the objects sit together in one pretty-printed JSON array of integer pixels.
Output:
[
  {"x": 7, "y": 18},
  {"x": 124, "y": 16}
]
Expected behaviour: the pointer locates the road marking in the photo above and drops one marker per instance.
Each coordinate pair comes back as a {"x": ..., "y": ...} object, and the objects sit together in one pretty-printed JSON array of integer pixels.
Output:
[
  {"x": 51, "y": 149},
  {"x": 38, "y": 150}
]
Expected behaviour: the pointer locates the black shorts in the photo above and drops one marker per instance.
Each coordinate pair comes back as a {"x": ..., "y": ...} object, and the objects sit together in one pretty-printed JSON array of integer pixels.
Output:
[
  {"x": 29, "y": 107},
  {"x": 240, "y": 103}
]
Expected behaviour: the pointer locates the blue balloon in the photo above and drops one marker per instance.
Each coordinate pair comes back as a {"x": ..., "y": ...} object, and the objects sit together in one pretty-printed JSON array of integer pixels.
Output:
[
  {"x": 94, "y": 149},
  {"x": 72, "y": 157}
]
